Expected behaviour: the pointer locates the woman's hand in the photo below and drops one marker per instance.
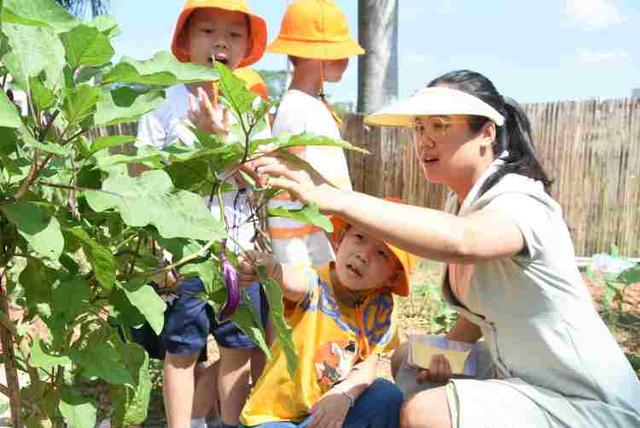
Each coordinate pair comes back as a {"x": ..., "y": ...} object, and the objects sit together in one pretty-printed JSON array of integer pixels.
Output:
[
  {"x": 249, "y": 263},
  {"x": 439, "y": 371},
  {"x": 208, "y": 116},
  {"x": 302, "y": 183},
  {"x": 330, "y": 410}
]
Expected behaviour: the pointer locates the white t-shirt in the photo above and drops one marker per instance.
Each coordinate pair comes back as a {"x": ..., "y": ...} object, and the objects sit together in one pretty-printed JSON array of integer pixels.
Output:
[
  {"x": 295, "y": 242},
  {"x": 167, "y": 124}
]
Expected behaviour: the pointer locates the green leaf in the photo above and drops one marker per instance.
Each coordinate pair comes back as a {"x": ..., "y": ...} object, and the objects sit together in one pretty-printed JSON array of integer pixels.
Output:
[
  {"x": 110, "y": 141},
  {"x": 122, "y": 311},
  {"x": 276, "y": 312},
  {"x": 234, "y": 90},
  {"x": 40, "y": 230},
  {"x": 9, "y": 116},
  {"x": 47, "y": 147},
  {"x": 106, "y": 24},
  {"x": 244, "y": 318},
  {"x": 630, "y": 276},
  {"x": 104, "y": 360},
  {"x": 125, "y": 105},
  {"x": 37, "y": 281},
  {"x": 87, "y": 46},
  {"x": 44, "y": 360},
  {"x": 70, "y": 299},
  {"x": 101, "y": 259},
  {"x": 152, "y": 199},
  {"x": 148, "y": 302},
  {"x": 8, "y": 141},
  {"x": 309, "y": 214},
  {"x": 303, "y": 140},
  {"x": 192, "y": 175},
  {"x": 39, "y": 13},
  {"x": 161, "y": 70},
  {"x": 34, "y": 50},
  {"x": 130, "y": 404},
  {"x": 43, "y": 97},
  {"x": 80, "y": 103},
  {"x": 78, "y": 411}
]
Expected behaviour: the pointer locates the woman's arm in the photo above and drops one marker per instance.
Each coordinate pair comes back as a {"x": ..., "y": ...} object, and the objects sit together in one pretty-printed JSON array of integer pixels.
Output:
[
  {"x": 481, "y": 236},
  {"x": 464, "y": 331}
]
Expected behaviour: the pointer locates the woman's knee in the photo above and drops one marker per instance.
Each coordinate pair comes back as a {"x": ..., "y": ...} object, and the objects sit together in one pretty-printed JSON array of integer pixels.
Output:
[{"x": 428, "y": 409}]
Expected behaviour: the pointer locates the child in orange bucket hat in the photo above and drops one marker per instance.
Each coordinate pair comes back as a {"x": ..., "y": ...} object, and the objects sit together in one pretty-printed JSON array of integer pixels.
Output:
[
  {"x": 227, "y": 31},
  {"x": 342, "y": 321},
  {"x": 315, "y": 36}
]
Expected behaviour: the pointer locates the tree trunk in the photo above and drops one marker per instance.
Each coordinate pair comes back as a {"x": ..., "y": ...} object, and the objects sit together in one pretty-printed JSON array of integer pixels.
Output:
[{"x": 378, "y": 69}]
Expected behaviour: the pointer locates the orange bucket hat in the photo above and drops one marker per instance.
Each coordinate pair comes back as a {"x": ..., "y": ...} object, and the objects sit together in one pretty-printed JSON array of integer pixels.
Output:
[
  {"x": 254, "y": 81},
  {"x": 406, "y": 259},
  {"x": 315, "y": 29},
  {"x": 257, "y": 27}
]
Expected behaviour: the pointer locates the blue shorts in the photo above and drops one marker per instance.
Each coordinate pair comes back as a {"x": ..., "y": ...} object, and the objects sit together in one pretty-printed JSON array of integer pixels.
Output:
[{"x": 188, "y": 320}]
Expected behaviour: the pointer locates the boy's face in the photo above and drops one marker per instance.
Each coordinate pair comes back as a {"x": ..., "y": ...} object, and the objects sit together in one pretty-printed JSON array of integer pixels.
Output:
[
  {"x": 365, "y": 263},
  {"x": 218, "y": 33},
  {"x": 334, "y": 69}
]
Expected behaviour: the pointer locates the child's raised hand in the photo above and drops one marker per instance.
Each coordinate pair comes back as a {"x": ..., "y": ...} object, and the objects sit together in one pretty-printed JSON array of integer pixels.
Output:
[
  {"x": 439, "y": 371},
  {"x": 208, "y": 116},
  {"x": 249, "y": 263}
]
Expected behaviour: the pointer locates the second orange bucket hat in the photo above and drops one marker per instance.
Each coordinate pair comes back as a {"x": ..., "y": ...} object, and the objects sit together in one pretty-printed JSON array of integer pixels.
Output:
[
  {"x": 258, "y": 27},
  {"x": 315, "y": 29}
]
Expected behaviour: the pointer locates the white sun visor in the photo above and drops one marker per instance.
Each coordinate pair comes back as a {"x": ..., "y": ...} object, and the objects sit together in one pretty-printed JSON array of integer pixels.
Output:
[{"x": 433, "y": 101}]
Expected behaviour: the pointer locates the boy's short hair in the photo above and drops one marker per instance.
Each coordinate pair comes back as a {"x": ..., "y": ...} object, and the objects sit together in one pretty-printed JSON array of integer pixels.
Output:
[{"x": 257, "y": 28}]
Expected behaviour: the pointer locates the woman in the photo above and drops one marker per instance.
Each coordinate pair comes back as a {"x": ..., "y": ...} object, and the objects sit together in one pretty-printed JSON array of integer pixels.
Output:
[{"x": 511, "y": 270}]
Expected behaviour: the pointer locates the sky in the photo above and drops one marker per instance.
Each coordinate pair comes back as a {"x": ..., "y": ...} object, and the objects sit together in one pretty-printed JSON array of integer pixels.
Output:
[{"x": 533, "y": 51}]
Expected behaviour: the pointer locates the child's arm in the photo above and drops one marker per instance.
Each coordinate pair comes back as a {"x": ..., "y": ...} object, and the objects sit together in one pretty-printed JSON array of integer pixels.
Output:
[
  {"x": 296, "y": 281},
  {"x": 332, "y": 408}
]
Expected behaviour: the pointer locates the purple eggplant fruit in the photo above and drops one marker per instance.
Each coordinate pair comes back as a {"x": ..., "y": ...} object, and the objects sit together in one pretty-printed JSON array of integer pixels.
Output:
[{"x": 232, "y": 283}]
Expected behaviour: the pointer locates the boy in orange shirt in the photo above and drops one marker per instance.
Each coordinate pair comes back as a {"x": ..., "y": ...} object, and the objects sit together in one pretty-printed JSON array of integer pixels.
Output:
[{"x": 342, "y": 322}]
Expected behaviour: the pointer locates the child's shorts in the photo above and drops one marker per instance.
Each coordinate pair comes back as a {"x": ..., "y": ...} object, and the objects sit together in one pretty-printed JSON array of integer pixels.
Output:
[{"x": 188, "y": 321}]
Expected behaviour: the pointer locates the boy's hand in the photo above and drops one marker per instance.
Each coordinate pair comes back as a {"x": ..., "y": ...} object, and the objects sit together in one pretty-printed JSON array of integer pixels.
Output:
[
  {"x": 439, "y": 371},
  {"x": 249, "y": 263},
  {"x": 330, "y": 411},
  {"x": 207, "y": 116}
]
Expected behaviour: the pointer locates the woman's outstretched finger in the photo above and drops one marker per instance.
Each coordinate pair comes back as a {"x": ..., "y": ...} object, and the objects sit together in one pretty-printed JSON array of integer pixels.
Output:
[{"x": 283, "y": 171}]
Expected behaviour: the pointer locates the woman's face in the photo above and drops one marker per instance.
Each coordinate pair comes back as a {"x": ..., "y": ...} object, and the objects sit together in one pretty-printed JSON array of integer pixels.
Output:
[{"x": 449, "y": 151}]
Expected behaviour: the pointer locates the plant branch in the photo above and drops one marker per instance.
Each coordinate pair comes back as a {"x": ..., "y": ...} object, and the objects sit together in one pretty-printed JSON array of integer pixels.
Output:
[
  {"x": 33, "y": 174},
  {"x": 179, "y": 263},
  {"x": 74, "y": 136},
  {"x": 13, "y": 383},
  {"x": 45, "y": 130}
]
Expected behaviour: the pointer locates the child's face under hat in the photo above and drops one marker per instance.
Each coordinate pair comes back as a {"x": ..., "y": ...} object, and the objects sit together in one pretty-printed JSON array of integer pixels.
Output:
[
  {"x": 220, "y": 34},
  {"x": 226, "y": 29},
  {"x": 365, "y": 263}
]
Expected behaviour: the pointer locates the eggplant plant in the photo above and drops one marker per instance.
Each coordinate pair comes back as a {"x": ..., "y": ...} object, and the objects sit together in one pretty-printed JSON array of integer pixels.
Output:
[{"x": 80, "y": 239}]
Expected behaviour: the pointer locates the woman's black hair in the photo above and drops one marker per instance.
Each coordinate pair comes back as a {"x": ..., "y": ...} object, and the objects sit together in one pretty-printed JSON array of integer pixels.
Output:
[{"x": 514, "y": 136}]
